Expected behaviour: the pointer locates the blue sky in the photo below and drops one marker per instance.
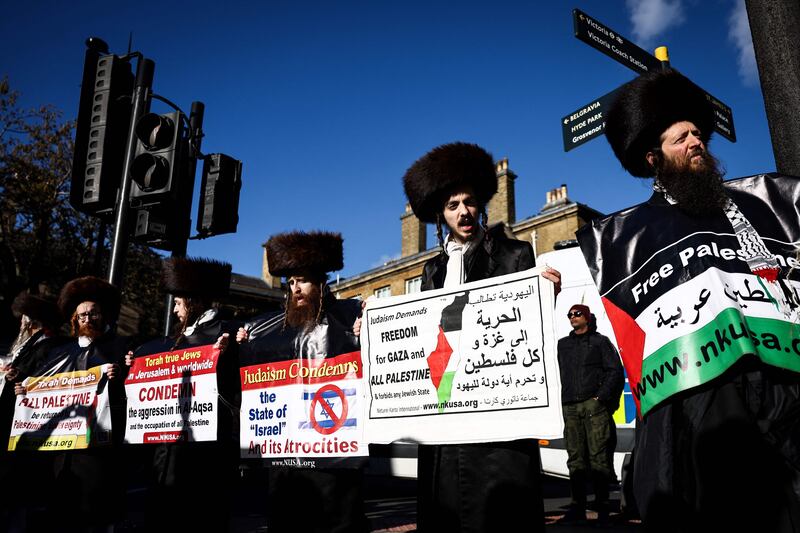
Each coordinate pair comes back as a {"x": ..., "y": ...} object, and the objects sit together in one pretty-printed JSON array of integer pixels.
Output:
[{"x": 328, "y": 103}]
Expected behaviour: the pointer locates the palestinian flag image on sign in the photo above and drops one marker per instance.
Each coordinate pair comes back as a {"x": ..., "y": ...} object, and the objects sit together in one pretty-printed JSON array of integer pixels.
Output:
[{"x": 684, "y": 301}]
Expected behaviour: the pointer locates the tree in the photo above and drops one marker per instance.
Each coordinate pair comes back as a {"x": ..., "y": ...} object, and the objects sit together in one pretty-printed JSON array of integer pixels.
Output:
[{"x": 44, "y": 242}]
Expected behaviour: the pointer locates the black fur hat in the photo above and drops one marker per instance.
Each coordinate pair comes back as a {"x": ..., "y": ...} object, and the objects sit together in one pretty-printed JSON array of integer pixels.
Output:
[
  {"x": 196, "y": 277},
  {"x": 445, "y": 167},
  {"x": 645, "y": 107},
  {"x": 90, "y": 289},
  {"x": 37, "y": 308},
  {"x": 317, "y": 251}
]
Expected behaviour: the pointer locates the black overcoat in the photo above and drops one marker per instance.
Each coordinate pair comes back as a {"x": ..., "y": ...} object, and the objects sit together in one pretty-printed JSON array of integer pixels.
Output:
[
  {"x": 322, "y": 500},
  {"x": 185, "y": 473},
  {"x": 486, "y": 487}
]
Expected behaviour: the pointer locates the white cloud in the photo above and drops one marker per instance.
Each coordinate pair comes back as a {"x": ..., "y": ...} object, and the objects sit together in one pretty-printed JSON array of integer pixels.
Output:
[
  {"x": 651, "y": 18},
  {"x": 739, "y": 33}
]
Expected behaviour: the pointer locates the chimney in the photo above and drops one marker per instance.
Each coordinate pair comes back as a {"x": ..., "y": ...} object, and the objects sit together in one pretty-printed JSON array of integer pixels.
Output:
[
  {"x": 502, "y": 207},
  {"x": 556, "y": 198},
  {"x": 271, "y": 281},
  {"x": 414, "y": 234}
]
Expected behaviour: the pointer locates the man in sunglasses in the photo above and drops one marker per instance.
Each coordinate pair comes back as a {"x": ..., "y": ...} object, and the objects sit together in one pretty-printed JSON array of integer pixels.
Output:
[{"x": 591, "y": 384}]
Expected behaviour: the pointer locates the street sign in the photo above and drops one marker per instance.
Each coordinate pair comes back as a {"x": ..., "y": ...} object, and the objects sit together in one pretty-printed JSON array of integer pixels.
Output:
[
  {"x": 723, "y": 118},
  {"x": 612, "y": 44},
  {"x": 586, "y": 122}
]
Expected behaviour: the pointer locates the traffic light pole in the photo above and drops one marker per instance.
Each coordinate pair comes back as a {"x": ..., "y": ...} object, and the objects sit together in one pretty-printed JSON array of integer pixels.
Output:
[
  {"x": 179, "y": 250},
  {"x": 141, "y": 104}
]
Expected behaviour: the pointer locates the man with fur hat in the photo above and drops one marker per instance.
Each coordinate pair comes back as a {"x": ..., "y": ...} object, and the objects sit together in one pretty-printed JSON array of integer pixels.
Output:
[
  {"x": 181, "y": 471},
  {"x": 718, "y": 441},
  {"x": 591, "y": 385},
  {"x": 88, "y": 483},
  {"x": 38, "y": 334},
  {"x": 313, "y": 325},
  {"x": 452, "y": 185}
]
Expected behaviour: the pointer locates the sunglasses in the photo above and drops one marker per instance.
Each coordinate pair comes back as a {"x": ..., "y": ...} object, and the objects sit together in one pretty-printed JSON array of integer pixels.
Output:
[{"x": 574, "y": 313}]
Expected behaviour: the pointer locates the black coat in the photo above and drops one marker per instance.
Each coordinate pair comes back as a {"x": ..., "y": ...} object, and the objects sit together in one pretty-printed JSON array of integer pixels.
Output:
[
  {"x": 725, "y": 455},
  {"x": 483, "y": 487},
  {"x": 335, "y": 494},
  {"x": 271, "y": 340},
  {"x": 495, "y": 256},
  {"x": 590, "y": 367},
  {"x": 89, "y": 484},
  {"x": 182, "y": 470}
]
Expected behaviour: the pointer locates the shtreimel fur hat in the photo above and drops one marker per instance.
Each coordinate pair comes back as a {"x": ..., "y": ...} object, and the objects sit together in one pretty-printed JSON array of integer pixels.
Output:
[
  {"x": 90, "y": 289},
  {"x": 645, "y": 107},
  {"x": 196, "y": 277},
  {"x": 434, "y": 175},
  {"x": 37, "y": 308},
  {"x": 317, "y": 251}
]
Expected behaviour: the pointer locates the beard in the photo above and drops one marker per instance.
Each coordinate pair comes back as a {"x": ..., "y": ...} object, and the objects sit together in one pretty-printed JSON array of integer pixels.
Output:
[
  {"x": 698, "y": 189},
  {"x": 90, "y": 330},
  {"x": 304, "y": 316},
  {"x": 26, "y": 331}
]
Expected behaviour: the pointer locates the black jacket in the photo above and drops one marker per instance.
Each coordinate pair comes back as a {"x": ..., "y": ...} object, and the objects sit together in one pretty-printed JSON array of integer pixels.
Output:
[
  {"x": 590, "y": 367},
  {"x": 484, "y": 487},
  {"x": 181, "y": 470},
  {"x": 724, "y": 455},
  {"x": 271, "y": 340},
  {"x": 496, "y": 255}
]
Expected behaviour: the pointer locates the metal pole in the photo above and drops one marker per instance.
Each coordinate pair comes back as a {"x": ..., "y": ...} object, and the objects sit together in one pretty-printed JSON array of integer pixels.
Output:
[
  {"x": 179, "y": 249},
  {"x": 141, "y": 105},
  {"x": 99, "y": 247},
  {"x": 774, "y": 26}
]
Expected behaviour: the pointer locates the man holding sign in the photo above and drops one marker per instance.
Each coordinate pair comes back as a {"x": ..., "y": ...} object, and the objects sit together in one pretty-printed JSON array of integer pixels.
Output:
[
  {"x": 302, "y": 392},
  {"x": 700, "y": 287},
  {"x": 182, "y": 397},
  {"x": 452, "y": 184},
  {"x": 69, "y": 405}
]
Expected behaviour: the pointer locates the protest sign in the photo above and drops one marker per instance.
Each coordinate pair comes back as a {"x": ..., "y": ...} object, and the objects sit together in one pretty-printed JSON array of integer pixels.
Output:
[
  {"x": 172, "y": 396},
  {"x": 475, "y": 363},
  {"x": 684, "y": 303},
  {"x": 62, "y": 411},
  {"x": 303, "y": 412}
]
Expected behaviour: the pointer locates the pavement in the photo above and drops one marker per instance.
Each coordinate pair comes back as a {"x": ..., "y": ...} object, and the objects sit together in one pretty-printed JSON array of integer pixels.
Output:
[{"x": 391, "y": 507}]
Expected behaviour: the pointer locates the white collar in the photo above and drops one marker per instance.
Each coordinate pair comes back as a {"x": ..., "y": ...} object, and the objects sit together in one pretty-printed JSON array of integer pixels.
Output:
[
  {"x": 467, "y": 248},
  {"x": 208, "y": 316}
]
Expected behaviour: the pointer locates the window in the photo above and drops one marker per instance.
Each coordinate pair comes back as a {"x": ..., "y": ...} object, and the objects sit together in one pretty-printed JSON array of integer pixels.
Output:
[
  {"x": 383, "y": 292},
  {"x": 414, "y": 285}
]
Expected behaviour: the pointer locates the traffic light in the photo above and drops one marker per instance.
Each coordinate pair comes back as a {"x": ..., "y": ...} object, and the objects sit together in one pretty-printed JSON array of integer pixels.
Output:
[
  {"x": 161, "y": 227},
  {"x": 159, "y": 166},
  {"x": 101, "y": 134},
  {"x": 218, "y": 208},
  {"x": 162, "y": 180}
]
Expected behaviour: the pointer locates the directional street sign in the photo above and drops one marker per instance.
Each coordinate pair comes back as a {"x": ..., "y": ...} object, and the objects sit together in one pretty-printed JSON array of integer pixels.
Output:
[
  {"x": 586, "y": 123},
  {"x": 723, "y": 119},
  {"x": 612, "y": 44}
]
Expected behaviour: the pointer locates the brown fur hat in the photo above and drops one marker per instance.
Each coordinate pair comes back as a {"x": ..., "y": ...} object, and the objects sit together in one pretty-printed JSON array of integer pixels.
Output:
[
  {"x": 434, "y": 175},
  {"x": 37, "y": 308},
  {"x": 317, "y": 251},
  {"x": 90, "y": 289},
  {"x": 645, "y": 107},
  {"x": 196, "y": 277}
]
